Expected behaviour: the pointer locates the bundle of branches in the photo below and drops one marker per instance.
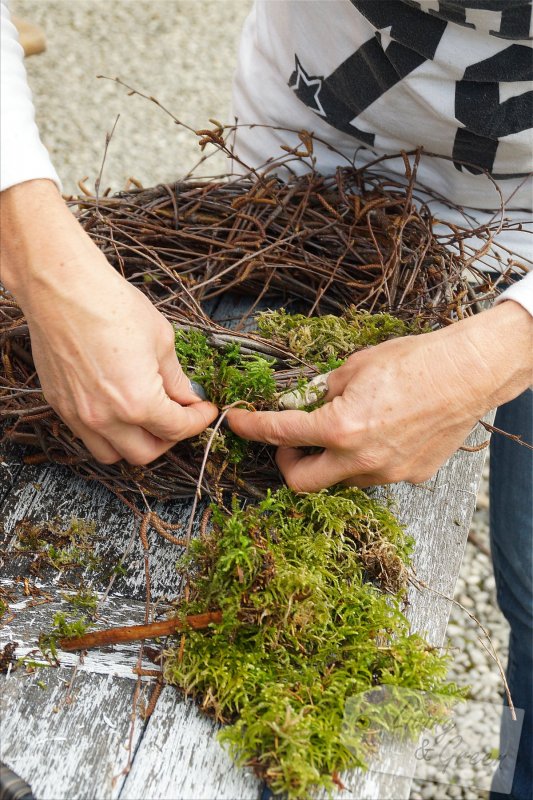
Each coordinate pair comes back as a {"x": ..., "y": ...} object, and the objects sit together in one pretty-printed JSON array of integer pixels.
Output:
[{"x": 355, "y": 239}]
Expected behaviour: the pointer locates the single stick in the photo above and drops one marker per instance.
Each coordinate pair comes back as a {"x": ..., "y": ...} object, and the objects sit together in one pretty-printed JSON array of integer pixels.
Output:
[
  {"x": 133, "y": 633},
  {"x": 516, "y": 437}
]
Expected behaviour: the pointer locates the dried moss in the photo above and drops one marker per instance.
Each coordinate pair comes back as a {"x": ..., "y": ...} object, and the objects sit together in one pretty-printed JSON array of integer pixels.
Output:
[
  {"x": 309, "y": 622},
  {"x": 327, "y": 340},
  {"x": 63, "y": 548}
]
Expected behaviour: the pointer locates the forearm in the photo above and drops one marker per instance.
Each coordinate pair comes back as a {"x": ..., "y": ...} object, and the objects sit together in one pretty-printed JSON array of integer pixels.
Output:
[
  {"x": 499, "y": 353},
  {"x": 104, "y": 354},
  {"x": 40, "y": 236}
]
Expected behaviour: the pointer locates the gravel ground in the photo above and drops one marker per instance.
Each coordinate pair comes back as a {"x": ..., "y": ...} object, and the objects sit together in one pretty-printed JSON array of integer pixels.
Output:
[
  {"x": 183, "y": 52},
  {"x": 472, "y": 666},
  {"x": 180, "y": 51}
]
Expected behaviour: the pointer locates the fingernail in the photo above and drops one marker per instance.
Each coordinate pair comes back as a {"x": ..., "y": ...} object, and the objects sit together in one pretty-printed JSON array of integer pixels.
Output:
[{"x": 198, "y": 390}]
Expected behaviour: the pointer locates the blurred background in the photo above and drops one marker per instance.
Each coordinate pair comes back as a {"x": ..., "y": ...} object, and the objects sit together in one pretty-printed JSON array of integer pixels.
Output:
[{"x": 183, "y": 52}]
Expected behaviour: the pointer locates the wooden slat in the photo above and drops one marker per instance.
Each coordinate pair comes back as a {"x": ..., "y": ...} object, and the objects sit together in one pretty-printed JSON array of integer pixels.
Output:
[
  {"x": 60, "y": 493},
  {"x": 67, "y": 750},
  {"x": 26, "y": 622},
  {"x": 179, "y": 757}
]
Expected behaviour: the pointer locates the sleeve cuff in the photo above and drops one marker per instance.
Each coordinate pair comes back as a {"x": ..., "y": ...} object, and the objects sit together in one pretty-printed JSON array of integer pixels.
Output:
[{"x": 521, "y": 292}]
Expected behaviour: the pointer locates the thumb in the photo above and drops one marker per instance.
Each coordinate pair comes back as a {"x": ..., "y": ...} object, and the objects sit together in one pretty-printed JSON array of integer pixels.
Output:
[{"x": 176, "y": 384}]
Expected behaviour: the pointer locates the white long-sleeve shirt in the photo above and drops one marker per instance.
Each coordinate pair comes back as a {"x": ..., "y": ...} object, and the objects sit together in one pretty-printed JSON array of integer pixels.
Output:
[
  {"x": 374, "y": 76},
  {"x": 23, "y": 156}
]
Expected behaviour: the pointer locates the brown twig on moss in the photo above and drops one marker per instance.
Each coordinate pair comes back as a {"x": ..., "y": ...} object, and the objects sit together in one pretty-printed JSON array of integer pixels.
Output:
[{"x": 135, "y": 633}]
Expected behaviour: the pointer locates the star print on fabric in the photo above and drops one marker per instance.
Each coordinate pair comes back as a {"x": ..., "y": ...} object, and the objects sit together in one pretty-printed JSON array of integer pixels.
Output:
[{"x": 307, "y": 87}]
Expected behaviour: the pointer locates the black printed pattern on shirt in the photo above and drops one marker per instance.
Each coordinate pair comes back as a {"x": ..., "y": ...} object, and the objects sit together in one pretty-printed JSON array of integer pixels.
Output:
[{"x": 372, "y": 70}]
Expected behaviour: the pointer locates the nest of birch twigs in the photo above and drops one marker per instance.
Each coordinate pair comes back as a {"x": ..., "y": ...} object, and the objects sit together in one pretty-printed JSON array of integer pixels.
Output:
[{"x": 318, "y": 244}]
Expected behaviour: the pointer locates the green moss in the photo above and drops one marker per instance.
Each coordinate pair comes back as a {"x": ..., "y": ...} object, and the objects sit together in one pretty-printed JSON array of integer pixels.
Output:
[
  {"x": 327, "y": 340},
  {"x": 63, "y": 627},
  {"x": 85, "y": 599},
  {"x": 227, "y": 374},
  {"x": 311, "y": 588},
  {"x": 53, "y": 545}
]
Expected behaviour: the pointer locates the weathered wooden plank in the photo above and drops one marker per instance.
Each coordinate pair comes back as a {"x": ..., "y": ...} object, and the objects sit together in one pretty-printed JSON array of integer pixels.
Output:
[
  {"x": 186, "y": 762},
  {"x": 42, "y": 493},
  {"x": 437, "y": 515},
  {"x": 26, "y": 622},
  {"x": 67, "y": 743}
]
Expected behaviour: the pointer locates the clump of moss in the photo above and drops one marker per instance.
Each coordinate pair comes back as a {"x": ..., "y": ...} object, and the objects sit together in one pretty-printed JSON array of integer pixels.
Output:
[
  {"x": 326, "y": 341},
  {"x": 63, "y": 627},
  {"x": 309, "y": 622},
  {"x": 52, "y": 545},
  {"x": 85, "y": 599},
  {"x": 225, "y": 374}
]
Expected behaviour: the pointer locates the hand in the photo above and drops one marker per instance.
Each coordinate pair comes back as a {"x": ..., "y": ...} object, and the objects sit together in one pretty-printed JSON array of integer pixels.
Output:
[
  {"x": 104, "y": 354},
  {"x": 399, "y": 410}
]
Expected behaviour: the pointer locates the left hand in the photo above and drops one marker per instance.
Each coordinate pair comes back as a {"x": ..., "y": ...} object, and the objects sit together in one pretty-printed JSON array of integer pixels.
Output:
[{"x": 399, "y": 410}]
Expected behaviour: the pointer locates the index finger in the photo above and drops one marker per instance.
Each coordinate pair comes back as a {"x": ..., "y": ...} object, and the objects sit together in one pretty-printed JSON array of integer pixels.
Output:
[{"x": 286, "y": 428}]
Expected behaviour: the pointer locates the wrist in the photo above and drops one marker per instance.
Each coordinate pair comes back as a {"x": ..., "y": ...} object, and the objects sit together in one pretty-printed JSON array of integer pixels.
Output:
[{"x": 499, "y": 351}]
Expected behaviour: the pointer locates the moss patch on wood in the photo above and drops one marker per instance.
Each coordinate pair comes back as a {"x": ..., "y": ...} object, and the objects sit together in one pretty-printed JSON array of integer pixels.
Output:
[
  {"x": 52, "y": 544},
  {"x": 312, "y": 589}
]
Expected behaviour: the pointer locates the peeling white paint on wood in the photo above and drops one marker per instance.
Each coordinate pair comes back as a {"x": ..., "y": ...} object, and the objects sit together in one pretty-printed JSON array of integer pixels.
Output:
[
  {"x": 67, "y": 750},
  {"x": 179, "y": 757},
  {"x": 26, "y": 622}
]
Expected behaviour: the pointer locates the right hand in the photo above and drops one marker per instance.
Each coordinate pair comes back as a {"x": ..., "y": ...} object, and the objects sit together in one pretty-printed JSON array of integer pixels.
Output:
[{"x": 104, "y": 354}]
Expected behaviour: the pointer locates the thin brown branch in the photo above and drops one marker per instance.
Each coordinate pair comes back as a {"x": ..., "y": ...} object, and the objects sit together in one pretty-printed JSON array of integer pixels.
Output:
[{"x": 134, "y": 633}]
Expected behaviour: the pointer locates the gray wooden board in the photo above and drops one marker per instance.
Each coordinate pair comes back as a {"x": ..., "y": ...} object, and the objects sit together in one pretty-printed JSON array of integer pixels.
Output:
[
  {"x": 179, "y": 758},
  {"x": 42, "y": 493},
  {"x": 176, "y": 754},
  {"x": 27, "y": 621},
  {"x": 67, "y": 750}
]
